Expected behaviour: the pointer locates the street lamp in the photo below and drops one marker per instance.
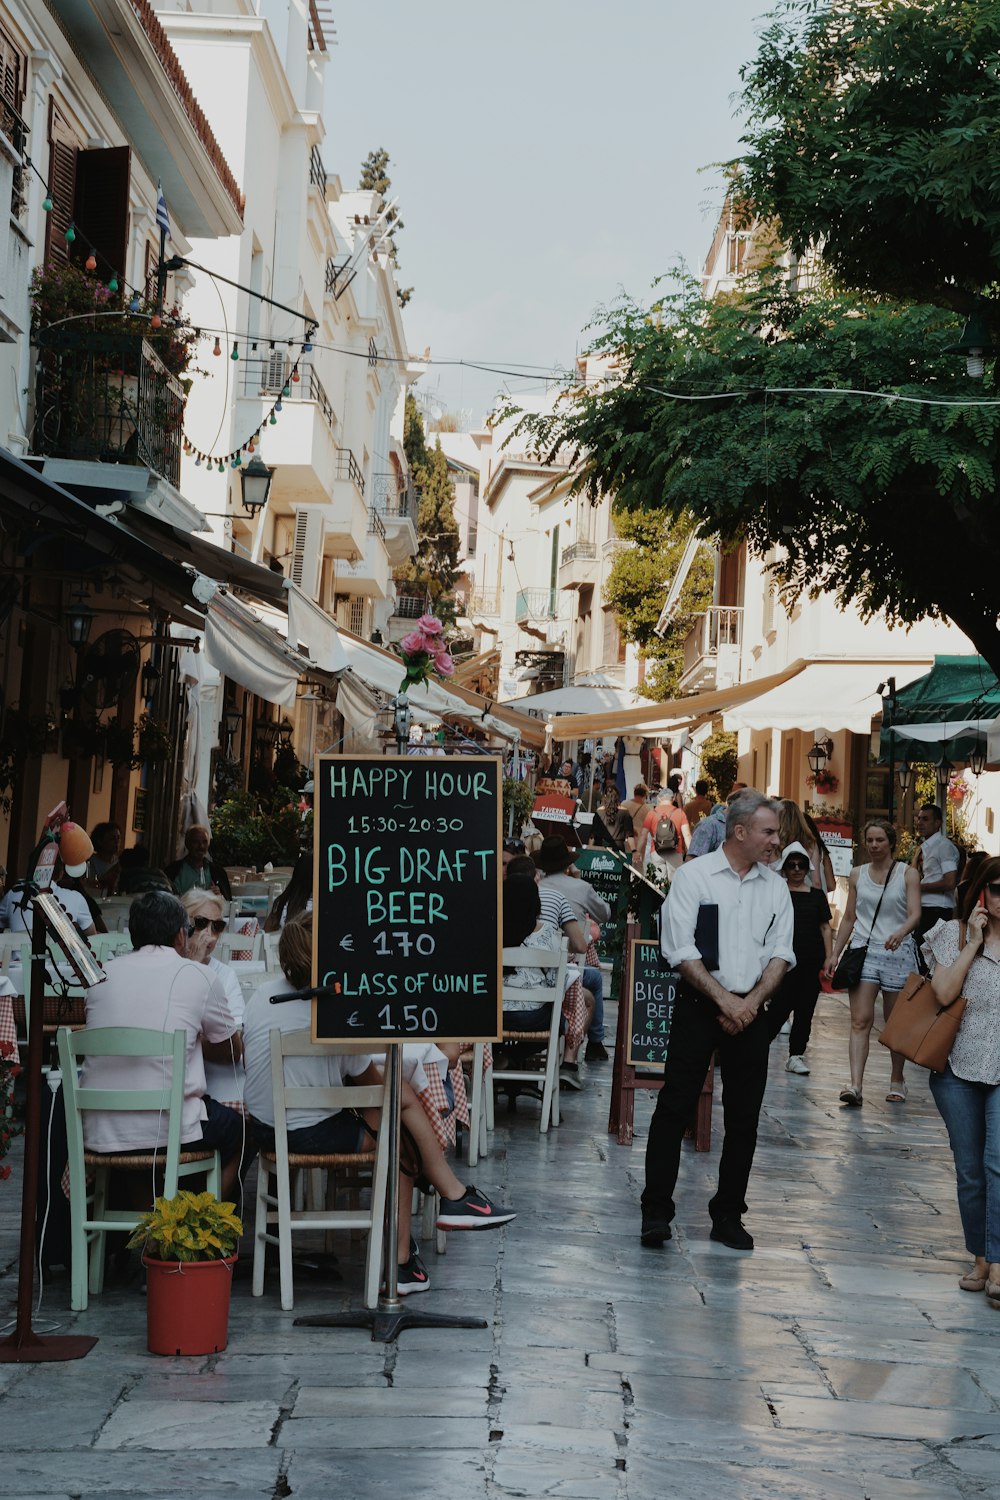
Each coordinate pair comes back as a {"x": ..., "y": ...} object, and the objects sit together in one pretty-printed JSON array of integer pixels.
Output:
[
  {"x": 232, "y": 718},
  {"x": 942, "y": 775},
  {"x": 255, "y": 481},
  {"x": 977, "y": 758},
  {"x": 904, "y": 776}
]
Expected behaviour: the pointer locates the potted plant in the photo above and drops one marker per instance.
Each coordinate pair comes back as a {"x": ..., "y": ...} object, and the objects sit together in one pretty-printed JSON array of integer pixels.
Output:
[{"x": 189, "y": 1250}]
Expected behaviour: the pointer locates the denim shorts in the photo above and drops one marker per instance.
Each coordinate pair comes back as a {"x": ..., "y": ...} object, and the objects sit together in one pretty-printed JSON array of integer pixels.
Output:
[{"x": 889, "y": 970}]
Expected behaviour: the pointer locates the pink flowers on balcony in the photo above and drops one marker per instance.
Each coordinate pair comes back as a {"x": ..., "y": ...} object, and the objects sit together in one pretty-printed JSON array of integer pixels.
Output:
[{"x": 425, "y": 653}]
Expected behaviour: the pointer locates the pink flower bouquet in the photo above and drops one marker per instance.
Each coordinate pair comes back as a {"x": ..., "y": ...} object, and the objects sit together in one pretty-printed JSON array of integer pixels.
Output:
[{"x": 425, "y": 653}]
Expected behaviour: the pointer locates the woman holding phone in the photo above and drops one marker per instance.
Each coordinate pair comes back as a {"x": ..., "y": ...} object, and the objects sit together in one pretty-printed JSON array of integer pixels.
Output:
[
  {"x": 883, "y": 908},
  {"x": 964, "y": 959}
]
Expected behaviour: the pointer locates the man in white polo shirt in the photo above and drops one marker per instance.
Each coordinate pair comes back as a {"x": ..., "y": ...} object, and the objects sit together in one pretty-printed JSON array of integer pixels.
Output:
[
  {"x": 727, "y": 926},
  {"x": 939, "y": 863}
]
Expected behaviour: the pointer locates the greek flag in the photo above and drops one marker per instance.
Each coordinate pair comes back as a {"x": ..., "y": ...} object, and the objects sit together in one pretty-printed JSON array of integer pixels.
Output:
[{"x": 162, "y": 217}]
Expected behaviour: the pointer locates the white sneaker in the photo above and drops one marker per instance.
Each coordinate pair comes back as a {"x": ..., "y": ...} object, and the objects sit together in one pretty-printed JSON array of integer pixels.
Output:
[
  {"x": 796, "y": 1065},
  {"x": 786, "y": 1028}
]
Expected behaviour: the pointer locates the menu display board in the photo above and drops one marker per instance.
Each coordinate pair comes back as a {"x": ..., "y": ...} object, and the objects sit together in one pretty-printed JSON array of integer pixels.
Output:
[
  {"x": 651, "y": 998},
  {"x": 606, "y": 872},
  {"x": 407, "y": 926}
]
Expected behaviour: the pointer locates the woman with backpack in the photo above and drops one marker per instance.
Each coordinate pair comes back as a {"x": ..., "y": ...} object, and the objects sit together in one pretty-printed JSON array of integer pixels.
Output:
[{"x": 667, "y": 835}]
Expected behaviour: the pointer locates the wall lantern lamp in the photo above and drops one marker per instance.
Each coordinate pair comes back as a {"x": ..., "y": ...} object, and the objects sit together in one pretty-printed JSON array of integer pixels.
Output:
[
  {"x": 79, "y": 619},
  {"x": 266, "y": 732},
  {"x": 255, "y": 481},
  {"x": 977, "y": 758},
  {"x": 942, "y": 775},
  {"x": 285, "y": 733},
  {"x": 819, "y": 755},
  {"x": 904, "y": 776},
  {"x": 232, "y": 718}
]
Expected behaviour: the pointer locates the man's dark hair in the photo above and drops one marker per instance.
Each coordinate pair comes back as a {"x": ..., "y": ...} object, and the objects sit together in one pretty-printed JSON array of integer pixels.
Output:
[
  {"x": 154, "y": 920},
  {"x": 701, "y": 788},
  {"x": 932, "y": 807},
  {"x": 674, "y": 782}
]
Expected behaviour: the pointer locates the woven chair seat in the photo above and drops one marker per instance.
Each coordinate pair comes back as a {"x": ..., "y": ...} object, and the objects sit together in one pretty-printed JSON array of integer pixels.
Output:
[
  {"x": 526, "y": 1036},
  {"x": 140, "y": 1159},
  {"x": 329, "y": 1159}
]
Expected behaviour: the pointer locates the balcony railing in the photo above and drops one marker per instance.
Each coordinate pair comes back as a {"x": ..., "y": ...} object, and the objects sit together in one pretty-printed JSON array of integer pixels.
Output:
[
  {"x": 339, "y": 275},
  {"x": 317, "y": 171},
  {"x": 271, "y": 374},
  {"x": 107, "y": 397},
  {"x": 719, "y": 629},
  {"x": 349, "y": 468},
  {"x": 483, "y": 603},
  {"x": 411, "y": 606},
  {"x": 584, "y": 550},
  {"x": 536, "y": 604},
  {"x": 393, "y": 498},
  {"x": 376, "y": 526}
]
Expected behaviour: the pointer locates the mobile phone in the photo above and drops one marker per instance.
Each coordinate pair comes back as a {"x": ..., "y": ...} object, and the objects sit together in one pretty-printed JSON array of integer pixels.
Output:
[{"x": 982, "y": 899}]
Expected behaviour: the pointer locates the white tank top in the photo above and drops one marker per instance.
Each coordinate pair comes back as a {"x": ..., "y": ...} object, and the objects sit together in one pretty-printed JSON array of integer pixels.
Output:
[{"x": 892, "y": 913}]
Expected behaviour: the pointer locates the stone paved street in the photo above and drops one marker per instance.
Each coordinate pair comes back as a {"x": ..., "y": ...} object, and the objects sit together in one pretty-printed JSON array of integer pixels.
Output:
[{"x": 839, "y": 1360}]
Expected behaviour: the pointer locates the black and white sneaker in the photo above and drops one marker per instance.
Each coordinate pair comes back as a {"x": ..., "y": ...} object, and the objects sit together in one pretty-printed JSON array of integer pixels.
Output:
[
  {"x": 413, "y": 1276},
  {"x": 472, "y": 1211}
]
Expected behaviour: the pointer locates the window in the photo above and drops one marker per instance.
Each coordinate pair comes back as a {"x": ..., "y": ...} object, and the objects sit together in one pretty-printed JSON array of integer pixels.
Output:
[
  {"x": 90, "y": 189},
  {"x": 13, "y": 66},
  {"x": 356, "y": 616},
  {"x": 470, "y": 546}
]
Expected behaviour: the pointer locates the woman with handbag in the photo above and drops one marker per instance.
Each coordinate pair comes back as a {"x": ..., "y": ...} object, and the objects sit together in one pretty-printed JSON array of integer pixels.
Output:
[
  {"x": 964, "y": 959},
  {"x": 883, "y": 908}
]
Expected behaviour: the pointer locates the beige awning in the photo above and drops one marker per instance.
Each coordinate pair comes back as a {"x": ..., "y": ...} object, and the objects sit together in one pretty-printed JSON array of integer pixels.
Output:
[{"x": 661, "y": 718}]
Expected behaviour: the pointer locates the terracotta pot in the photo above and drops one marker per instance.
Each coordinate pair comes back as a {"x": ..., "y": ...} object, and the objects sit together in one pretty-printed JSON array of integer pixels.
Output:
[{"x": 187, "y": 1305}]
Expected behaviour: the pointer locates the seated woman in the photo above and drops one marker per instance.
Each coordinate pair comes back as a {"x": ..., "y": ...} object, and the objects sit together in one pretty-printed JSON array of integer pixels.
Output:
[
  {"x": 224, "y": 1073},
  {"x": 296, "y": 897},
  {"x": 555, "y": 910},
  {"x": 311, "y": 1133}
]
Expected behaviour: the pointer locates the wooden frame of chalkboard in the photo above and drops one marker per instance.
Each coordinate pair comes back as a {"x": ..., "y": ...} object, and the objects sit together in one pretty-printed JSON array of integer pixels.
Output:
[
  {"x": 652, "y": 993},
  {"x": 407, "y": 898}
]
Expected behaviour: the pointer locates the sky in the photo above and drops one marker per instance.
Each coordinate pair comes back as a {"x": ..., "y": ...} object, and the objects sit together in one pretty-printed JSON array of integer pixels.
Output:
[{"x": 545, "y": 155}]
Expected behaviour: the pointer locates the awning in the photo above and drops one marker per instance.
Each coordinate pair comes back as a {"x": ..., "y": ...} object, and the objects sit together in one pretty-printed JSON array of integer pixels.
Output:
[
  {"x": 945, "y": 713},
  {"x": 830, "y": 695},
  {"x": 242, "y": 647},
  {"x": 661, "y": 718},
  {"x": 581, "y": 698},
  {"x": 384, "y": 671},
  {"x": 468, "y": 671},
  {"x": 314, "y": 628},
  {"x": 207, "y": 557}
]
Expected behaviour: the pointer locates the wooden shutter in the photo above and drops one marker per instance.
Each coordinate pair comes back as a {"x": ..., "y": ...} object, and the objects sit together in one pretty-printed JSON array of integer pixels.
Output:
[
  {"x": 101, "y": 207},
  {"x": 12, "y": 72},
  {"x": 62, "y": 186}
]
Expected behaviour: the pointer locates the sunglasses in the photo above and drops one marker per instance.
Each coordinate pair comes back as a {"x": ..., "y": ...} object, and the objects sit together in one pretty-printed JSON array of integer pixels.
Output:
[
  {"x": 795, "y": 864},
  {"x": 993, "y": 887},
  {"x": 513, "y": 846},
  {"x": 217, "y": 924}
]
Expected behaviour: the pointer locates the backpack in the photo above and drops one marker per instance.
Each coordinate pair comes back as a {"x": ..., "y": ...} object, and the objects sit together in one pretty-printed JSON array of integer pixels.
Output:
[{"x": 665, "y": 836}]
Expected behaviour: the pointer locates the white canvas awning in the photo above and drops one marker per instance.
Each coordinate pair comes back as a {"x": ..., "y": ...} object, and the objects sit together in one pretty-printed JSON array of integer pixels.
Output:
[
  {"x": 243, "y": 647},
  {"x": 832, "y": 695},
  {"x": 591, "y": 696}
]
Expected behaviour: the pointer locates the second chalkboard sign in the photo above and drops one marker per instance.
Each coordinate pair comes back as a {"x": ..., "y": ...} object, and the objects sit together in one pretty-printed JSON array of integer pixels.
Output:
[
  {"x": 407, "y": 898},
  {"x": 651, "y": 999}
]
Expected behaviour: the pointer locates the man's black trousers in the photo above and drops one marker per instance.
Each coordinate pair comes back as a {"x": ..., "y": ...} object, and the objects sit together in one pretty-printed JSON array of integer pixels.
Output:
[{"x": 695, "y": 1034}]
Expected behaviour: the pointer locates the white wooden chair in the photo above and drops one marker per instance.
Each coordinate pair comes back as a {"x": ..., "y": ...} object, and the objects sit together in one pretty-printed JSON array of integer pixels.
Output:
[
  {"x": 276, "y": 1219},
  {"x": 109, "y": 944},
  {"x": 90, "y": 1217},
  {"x": 271, "y": 941},
  {"x": 479, "y": 1088},
  {"x": 548, "y": 1042},
  {"x": 240, "y": 942}
]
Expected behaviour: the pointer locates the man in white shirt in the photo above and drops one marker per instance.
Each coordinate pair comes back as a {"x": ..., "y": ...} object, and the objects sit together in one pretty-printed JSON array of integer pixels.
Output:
[
  {"x": 727, "y": 926},
  {"x": 156, "y": 986},
  {"x": 939, "y": 863}
]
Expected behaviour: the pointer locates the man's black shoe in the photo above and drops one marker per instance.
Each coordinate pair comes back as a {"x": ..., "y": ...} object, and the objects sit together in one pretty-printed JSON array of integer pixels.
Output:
[
  {"x": 655, "y": 1232},
  {"x": 731, "y": 1232},
  {"x": 596, "y": 1052}
]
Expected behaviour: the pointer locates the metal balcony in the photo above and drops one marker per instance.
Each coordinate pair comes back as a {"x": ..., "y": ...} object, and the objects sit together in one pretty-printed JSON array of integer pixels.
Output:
[
  {"x": 411, "y": 606},
  {"x": 712, "y": 650},
  {"x": 536, "y": 604},
  {"x": 348, "y": 468},
  {"x": 107, "y": 397},
  {"x": 485, "y": 604},
  {"x": 578, "y": 565}
]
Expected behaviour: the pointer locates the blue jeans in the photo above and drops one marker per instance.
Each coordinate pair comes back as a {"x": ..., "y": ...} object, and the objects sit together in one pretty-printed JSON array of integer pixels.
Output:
[
  {"x": 593, "y": 980},
  {"x": 971, "y": 1112}
]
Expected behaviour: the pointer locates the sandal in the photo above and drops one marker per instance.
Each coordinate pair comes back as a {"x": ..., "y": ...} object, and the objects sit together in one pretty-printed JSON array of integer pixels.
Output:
[
  {"x": 896, "y": 1094},
  {"x": 993, "y": 1285},
  {"x": 851, "y": 1096},
  {"x": 973, "y": 1281}
]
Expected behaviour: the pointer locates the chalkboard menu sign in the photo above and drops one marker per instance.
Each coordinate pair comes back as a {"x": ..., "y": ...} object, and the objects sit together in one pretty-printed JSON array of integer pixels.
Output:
[
  {"x": 407, "y": 929},
  {"x": 651, "y": 998},
  {"x": 606, "y": 873}
]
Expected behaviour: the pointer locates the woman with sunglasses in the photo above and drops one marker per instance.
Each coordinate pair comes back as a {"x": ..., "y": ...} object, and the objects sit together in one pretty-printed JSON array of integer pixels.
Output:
[
  {"x": 963, "y": 956},
  {"x": 206, "y": 924},
  {"x": 883, "y": 909},
  {"x": 812, "y": 942}
]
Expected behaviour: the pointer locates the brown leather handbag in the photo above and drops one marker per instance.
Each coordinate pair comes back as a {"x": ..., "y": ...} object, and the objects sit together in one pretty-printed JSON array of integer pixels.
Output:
[{"x": 920, "y": 1028}]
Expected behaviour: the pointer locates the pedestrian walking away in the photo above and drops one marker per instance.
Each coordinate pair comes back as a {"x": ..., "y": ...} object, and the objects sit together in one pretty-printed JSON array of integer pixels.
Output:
[
  {"x": 883, "y": 908},
  {"x": 727, "y": 926},
  {"x": 964, "y": 959},
  {"x": 812, "y": 941}
]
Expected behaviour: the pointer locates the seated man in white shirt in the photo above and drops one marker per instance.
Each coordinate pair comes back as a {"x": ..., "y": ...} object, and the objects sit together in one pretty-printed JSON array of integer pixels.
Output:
[
  {"x": 156, "y": 986},
  {"x": 15, "y": 912},
  {"x": 313, "y": 1132},
  {"x": 727, "y": 926}
]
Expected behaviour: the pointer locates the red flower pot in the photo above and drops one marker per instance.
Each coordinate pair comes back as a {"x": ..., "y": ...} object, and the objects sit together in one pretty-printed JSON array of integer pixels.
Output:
[{"x": 187, "y": 1305}]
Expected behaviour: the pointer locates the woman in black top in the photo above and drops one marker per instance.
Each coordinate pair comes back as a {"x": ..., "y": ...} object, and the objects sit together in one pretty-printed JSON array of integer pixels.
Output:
[{"x": 812, "y": 943}]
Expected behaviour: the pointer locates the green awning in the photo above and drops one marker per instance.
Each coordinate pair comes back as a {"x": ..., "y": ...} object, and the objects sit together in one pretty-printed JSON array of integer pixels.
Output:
[{"x": 946, "y": 712}]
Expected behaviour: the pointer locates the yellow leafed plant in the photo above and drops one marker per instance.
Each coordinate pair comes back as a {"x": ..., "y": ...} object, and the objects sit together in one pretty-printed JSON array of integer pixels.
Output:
[{"x": 190, "y": 1226}]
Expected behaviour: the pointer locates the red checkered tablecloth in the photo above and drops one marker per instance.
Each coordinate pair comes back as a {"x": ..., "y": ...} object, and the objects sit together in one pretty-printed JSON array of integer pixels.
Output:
[
  {"x": 8, "y": 1031},
  {"x": 575, "y": 1011}
]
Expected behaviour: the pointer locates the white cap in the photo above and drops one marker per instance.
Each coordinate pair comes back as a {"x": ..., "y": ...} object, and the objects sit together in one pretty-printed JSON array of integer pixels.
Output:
[{"x": 794, "y": 848}]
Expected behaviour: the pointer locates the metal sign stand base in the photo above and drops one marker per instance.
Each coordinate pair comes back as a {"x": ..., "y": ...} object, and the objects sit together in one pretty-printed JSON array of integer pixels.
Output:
[{"x": 390, "y": 1317}]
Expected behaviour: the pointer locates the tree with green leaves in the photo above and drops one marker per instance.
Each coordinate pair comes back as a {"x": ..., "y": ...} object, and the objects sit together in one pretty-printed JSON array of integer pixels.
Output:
[
  {"x": 872, "y": 131},
  {"x": 838, "y": 437},
  {"x": 636, "y": 586},
  {"x": 375, "y": 179},
  {"x": 435, "y": 568}
]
